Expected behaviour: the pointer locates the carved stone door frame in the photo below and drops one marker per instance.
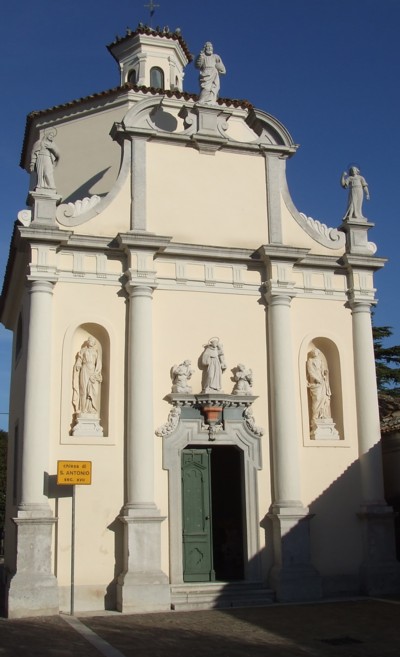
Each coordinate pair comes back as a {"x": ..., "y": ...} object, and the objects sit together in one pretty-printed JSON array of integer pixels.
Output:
[{"x": 193, "y": 432}]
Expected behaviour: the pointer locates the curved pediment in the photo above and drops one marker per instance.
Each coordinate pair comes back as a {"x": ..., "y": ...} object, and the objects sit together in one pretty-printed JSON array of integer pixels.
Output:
[
  {"x": 270, "y": 130},
  {"x": 232, "y": 127}
]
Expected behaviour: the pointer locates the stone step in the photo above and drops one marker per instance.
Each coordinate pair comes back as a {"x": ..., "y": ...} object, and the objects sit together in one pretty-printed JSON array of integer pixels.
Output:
[{"x": 217, "y": 595}]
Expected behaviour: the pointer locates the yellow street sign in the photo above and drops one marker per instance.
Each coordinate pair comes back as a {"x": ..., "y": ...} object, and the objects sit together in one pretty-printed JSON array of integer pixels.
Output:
[{"x": 74, "y": 473}]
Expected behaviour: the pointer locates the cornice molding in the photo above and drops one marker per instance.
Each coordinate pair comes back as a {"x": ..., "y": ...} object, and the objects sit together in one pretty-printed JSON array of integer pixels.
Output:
[
  {"x": 363, "y": 262},
  {"x": 203, "y": 252},
  {"x": 43, "y": 234}
]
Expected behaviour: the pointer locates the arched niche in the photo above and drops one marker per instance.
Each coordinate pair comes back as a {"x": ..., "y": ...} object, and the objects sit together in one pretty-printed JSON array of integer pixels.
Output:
[
  {"x": 74, "y": 340},
  {"x": 331, "y": 358}
]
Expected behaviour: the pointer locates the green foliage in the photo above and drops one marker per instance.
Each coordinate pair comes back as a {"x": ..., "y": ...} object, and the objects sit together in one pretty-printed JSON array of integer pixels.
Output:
[
  {"x": 3, "y": 475},
  {"x": 387, "y": 361}
]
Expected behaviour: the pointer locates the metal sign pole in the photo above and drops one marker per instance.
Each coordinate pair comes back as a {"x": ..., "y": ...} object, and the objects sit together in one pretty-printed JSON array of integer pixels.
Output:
[
  {"x": 72, "y": 551},
  {"x": 71, "y": 473}
]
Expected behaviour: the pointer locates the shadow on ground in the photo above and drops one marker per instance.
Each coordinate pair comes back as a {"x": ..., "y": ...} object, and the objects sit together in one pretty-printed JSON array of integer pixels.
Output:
[{"x": 363, "y": 628}]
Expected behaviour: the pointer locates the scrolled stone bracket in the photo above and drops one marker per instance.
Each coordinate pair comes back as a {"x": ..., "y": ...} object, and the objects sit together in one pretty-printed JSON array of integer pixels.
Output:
[
  {"x": 251, "y": 423},
  {"x": 171, "y": 423}
]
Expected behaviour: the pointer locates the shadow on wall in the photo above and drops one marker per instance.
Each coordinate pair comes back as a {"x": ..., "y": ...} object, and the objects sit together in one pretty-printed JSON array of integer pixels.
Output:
[
  {"x": 391, "y": 476},
  {"x": 343, "y": 542},
  {"x": 337, "y": 547},
  {"x": 110, "y": 597},
  {"x": 85, "y": 189}
]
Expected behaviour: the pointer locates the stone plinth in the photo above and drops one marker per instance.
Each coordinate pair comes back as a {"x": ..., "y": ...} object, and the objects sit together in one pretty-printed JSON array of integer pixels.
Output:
[
  {"x": 33, "y": 589},
  {"x": 143, "y": 586},
  {"x": 380, "y": 571},
  {"x": 44, "y": 202},
  {"x": 87, "y": 424},
  {"x": 357, "y": 236},
  {"x": 325, "y": 429},
  {"x": 293, "y": 577}
]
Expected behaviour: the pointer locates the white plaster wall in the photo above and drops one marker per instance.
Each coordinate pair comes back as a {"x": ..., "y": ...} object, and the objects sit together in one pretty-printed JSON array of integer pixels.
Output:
[
  {"x": 98, "y": 505},
  {"x": 89, "y": 158},
  {"x": 176, "y": 337},
  {"x": 294, "y": 235},
  {"x": 330, "y": 474},
  {"x": 206, "y": 199},
  {"x": 115, "y": 218},
  {"x": 183, "y": 322}
]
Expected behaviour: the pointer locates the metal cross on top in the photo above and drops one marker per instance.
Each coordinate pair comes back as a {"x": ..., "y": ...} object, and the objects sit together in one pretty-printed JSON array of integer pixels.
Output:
[{"x": 152, "y": 7}]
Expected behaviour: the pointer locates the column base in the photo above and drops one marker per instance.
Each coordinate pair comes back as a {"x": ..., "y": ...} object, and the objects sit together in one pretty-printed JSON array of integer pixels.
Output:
[
  {"x": 32, "y": 594},
  {"x": 143, "y": 586},
  {"x": 33, "y": 589},
  {"x": 380, "y": 570},
  {"x": 293, "y": 577}
]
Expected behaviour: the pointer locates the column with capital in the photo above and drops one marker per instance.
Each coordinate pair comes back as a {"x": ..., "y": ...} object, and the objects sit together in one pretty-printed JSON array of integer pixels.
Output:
[
  {"x": 380, "y": 571},
  {"x": 292, "y": 576},
  {"x": 33, "y": 588},
  {"x": 142, "y": 586}
]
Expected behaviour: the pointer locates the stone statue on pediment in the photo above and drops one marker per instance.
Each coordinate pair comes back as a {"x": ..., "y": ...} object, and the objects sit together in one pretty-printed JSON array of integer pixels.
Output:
[
  {"x": 212, "y": 362},
  {"x": 243, "y": 378},
  {"x": 210, "y": 66},
  {"x": 358, "y": 187},
  {"x": 180, "y": 375}
]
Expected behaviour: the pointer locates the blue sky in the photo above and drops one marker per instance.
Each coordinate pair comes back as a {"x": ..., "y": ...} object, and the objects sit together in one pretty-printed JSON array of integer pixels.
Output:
[{"x": 329, "y": 70}]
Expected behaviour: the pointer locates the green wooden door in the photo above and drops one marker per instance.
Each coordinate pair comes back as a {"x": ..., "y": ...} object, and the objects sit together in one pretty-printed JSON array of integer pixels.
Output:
[{"x": 196, "y": 511}]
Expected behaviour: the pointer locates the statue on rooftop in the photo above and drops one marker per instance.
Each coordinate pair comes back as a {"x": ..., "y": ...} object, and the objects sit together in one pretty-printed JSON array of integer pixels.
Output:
[
  {"x": 357, "y": 186},
  {"x": 210, "y": 66},
  {"x": 44, "y": 158}
]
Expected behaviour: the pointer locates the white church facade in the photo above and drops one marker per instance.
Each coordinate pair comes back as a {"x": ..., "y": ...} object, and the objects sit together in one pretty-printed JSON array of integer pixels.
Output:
[{"x": 180, "y": 325}]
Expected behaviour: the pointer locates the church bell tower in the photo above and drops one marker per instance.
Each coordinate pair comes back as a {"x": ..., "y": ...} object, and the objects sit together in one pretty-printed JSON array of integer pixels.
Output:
[{"x": 151, "y": 57}]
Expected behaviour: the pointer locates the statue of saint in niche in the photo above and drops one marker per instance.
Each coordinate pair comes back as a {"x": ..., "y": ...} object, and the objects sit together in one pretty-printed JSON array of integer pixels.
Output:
[
  {"x": 357, "y": 186},
  {"x": 212, "y": 362},
  {"x": 87, "y": 378},
  {"x": 318, "y": 385},
  {"x": 210, "y": 66},
  {"x": 44, "y": 158}
]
